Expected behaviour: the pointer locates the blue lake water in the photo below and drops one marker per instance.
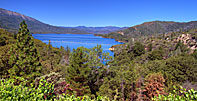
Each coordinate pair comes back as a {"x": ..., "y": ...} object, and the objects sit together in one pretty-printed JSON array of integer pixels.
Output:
[{"x": 76, "y": 40}]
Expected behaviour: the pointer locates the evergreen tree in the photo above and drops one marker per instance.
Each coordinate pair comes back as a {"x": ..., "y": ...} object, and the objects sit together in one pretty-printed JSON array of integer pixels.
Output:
[
  {"x": 96, "y": 62},
  {"x": 24, "y": 57},
  {"x": 49, "y": 47},
  {"x": 119, "y": 82},
  {"x": 78, "y": 71}
]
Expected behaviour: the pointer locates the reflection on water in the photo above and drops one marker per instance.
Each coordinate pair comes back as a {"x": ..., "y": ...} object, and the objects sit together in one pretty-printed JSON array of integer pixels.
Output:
[{"x": 77, "y": 40}]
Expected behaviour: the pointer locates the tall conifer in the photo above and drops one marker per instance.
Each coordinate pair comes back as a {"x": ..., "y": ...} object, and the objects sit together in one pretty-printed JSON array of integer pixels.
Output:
[
  {"x": 24, "y": 57},
  {"x": 78, "y": 71}
]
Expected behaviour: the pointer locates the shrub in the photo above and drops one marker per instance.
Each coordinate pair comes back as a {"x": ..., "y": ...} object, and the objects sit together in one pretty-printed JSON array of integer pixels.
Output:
[
  {"x": 179, "y": 94},
  {"x": 14, "y": 89},
  {"x": 60, "y": 85},
  {"x": 154, "y": 85},
  {"x": 10, "y": 90},
  {"x": 156, "y": 55}
]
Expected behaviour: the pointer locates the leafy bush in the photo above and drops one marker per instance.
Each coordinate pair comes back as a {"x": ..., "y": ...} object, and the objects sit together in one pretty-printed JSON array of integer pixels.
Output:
[
  {"x": 12, "y": 90},
  {"x": 138, "y": 49},
  {"x": 156, "y": 55},
  {"x": 179, "y": 94},
  {"x": 154, "y": 85}
]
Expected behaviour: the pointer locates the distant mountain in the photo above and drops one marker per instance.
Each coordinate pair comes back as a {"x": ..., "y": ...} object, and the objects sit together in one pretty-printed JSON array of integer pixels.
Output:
[
  {"x": 100, "y": 30},
  {"x": 151, "y": 28},
  {"x": 11, "y": 20}
]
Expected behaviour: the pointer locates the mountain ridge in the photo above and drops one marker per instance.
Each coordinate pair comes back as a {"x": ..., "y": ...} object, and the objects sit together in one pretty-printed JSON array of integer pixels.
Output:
[
  {"x": 151, "y": 28},
  {"x": 10, "y": 20}
]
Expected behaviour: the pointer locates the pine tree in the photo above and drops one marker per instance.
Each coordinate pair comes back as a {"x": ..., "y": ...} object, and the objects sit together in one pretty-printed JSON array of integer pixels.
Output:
[
  {"x": 78, "y": 71},
  {"x": 24, "y": 57}
]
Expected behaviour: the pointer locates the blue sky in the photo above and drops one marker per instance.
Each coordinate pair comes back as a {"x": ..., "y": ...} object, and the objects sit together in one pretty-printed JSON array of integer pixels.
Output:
[{"x": 104, "y": 12}]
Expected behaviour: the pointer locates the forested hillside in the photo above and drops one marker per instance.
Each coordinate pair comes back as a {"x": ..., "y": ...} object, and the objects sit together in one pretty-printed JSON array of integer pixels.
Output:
[
  {"x": 151, "y": 28},
  {"x": 162, "y": 67}
]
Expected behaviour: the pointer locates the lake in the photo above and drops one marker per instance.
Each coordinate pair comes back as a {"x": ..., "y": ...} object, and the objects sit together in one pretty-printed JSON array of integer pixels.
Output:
[{"x": 76, "y": 40}]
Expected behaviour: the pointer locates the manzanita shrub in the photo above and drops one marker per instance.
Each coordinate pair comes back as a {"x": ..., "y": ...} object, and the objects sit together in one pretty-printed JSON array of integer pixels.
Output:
[
  {"x": 179, "y": 94},
  {"x": 12, "y": 91}
]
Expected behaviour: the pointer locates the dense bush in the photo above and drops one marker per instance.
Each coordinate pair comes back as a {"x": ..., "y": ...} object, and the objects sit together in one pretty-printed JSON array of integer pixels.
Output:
[
  {"x": 138, "y": 49},
  {"x": 179, "y": 94},
  {"x": 154, "y": 85},
  {"x": 11, "y": 90},
  {"x": 156, "y": 55}
]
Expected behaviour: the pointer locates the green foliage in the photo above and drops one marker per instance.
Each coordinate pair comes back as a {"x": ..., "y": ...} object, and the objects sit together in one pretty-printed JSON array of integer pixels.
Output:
[
  {"x": 49, "y": 47},
  {"x": 91, "y": 72},
  {"x": 4, "y": 58},
  {"x": 176, "y": 70},
  {"x": 24, "y": 57},
  {"x": 6, "y": 38},
  {"x": 82, "y": 98},
  {"x": 150, "y": 47},
  {"x": 150, "y": 28},
  {"x": 119, "y": 82},
  {"x": 181, "y": 68},
  {"x": 86, "y": 69},
  {"x": 179, "y": 94},
  {"x": 9, "y": 90},
  {"x": 60, "y": 85},
  {"x": 156, "y": 55},
  {"x": 51, "y": 61},
  {"x": 78, "y": 71},
  {"x": 138, "y": 49},
  {"x": 97, "y": 61},
  {"x": 181, "y": 48},
  {"x": 2, "y": 41},
  {"x": 195, "y": 54}
]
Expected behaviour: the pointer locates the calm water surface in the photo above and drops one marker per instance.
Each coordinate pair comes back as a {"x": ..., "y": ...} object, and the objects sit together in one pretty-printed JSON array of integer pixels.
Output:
[{"x": 76, "y": 40}]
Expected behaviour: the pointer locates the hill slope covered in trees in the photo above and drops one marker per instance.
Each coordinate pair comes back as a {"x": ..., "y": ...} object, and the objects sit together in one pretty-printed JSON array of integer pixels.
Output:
[{"x": 151, "y": 28}]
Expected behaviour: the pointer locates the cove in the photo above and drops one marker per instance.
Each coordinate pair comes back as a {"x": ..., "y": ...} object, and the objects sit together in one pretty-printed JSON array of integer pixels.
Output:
[{"x": 77, "y": 40}]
